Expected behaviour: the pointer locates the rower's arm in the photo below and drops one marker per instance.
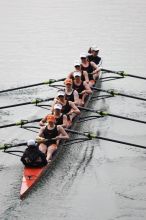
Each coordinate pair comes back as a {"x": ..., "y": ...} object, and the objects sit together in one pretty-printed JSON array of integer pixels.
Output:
[
  {"x": 65, "y": 122},
  {"x": 74, "y": 108},
  {"x": 54, "y": 102},
  {"x": 76, "y": 97},
  {"x": 62, "y": 134},
  {"x": 43, "y": 121},
  {"x": 86, "y": 76},
  {"x": 70, "y": 75},
  {"x": 97, "y": 69},
  {"x": 40, "y": 136},
  {"x": 87, "y": 88}
]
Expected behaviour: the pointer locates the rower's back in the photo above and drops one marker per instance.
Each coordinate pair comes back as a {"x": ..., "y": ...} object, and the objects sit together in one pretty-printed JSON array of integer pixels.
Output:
[{"x": 32, "y": 156}]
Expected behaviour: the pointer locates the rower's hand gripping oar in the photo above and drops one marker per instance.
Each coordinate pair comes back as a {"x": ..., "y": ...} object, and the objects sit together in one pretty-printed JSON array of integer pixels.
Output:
[
  {"x": 123, "y": 74},
  {"x": 50, "y": 81},
  {"x": 112, "y": 92},
  {"x": 91, "y": 136}
]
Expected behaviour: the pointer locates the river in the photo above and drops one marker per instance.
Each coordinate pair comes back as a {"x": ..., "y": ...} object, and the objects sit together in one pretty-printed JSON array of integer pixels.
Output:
[{"x": 39, "y": 40}]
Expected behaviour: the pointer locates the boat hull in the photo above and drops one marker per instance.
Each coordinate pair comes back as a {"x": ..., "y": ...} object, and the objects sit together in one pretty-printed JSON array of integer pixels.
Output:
[{"x": 32, "y": 175}]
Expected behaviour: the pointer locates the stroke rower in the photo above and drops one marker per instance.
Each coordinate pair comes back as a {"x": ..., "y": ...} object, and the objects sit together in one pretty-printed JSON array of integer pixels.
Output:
[
  {"x": 32, "y": 156},
  {"x": 93, "y": 55},
  {"x": 70, "y": 93},
  {"x": 61, "y": 119},
  {"x": 81, "y": 87},
  {"x": 68, "y": 107},
  {"x": 84, "y": 74},
  {"x": 49, "y": 137},
  {"x": 90, "y": 67}
]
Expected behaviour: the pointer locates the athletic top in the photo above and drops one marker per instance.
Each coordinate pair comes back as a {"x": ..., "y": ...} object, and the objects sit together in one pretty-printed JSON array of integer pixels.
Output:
[
  {"x": 79, "y": 88},
  {"x": 70, "y": 97},
  {"x": 89, "y": 69},
  {"x": 96, "y": 59},
  {"x": 66, "y": 108},
  {"x": 59, "y": 121},
  {"x": 49, "y": 134}
]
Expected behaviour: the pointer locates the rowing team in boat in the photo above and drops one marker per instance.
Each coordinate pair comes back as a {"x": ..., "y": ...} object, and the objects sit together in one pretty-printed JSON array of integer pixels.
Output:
[{"x": 64, "y": 108}]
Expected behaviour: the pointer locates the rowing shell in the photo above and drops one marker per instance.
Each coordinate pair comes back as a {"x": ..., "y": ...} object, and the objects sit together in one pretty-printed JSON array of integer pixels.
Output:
[{"x": 32, "y": 175}]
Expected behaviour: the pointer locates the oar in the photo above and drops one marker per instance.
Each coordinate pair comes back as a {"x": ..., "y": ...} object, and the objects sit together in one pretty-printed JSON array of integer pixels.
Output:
[
  {"x": 50, "y": 81},
  {"x": 35, "y": 102},
  {"x": 20, "y": 123},
  {"x": 114, "y": 93},
  {"x": 6, "y": 146},
  {"x": 94, "y": 136},
  {"x": 103, "y": 113},
  {"x": 122, "y": 73}
]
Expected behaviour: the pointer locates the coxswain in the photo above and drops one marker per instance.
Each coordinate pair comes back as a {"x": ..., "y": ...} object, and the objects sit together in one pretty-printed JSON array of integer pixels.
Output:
[
  {"x": 93, "y": 55},
  {"x": 49, "y": 135},
  {"x": 81, "y": 87},
  {"x": 32, "y": 156},
  {"x": 68, "y": 107},
  {"x": 90, "y": 67},
  {"x": 61, "y": 119},
  {"x": 70, "y": 93},
  {"x": 84, "y": 74}
]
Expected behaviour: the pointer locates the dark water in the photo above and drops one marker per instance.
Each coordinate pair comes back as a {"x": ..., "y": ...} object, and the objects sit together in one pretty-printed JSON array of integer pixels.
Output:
[{"x": 96, "y": 180}]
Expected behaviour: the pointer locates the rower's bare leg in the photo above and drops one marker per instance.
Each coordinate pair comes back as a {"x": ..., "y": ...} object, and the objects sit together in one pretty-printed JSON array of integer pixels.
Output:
[
  {"x": 43, "y": 148},
  {"x": 51, "y": 149},
  {"x": 95, "y": 76},
  {"x": 73, "y": 115},
  {"x": 92, "y": 82},
  {"x": 83, "y": 99}
]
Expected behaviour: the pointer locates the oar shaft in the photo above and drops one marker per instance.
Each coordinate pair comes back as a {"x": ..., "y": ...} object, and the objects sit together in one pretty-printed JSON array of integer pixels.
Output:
[
  {"x": 102, "y": 113},
  {"x": 114, "y": 93},
  {"x": 36, "y": 101},
  {"x": 121, "y": 73},
  {"x": 139, "y": 77},
  {"x": 20, "y": 123},
  {"x": 92, "y": 136},
  {"x": 126, "y": 118},
  {"x": 50, "y": 81},
  {"x": 7, "y": 146}
]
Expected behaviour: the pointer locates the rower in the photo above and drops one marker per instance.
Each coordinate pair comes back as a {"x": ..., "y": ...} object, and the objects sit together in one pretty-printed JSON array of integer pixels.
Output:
[
  {"x": 81, "y": 87},
  {"x": 61, "y": 119},
  {"x": 92, "y": 69},
  {"x": 93, "y": 55},
  {"x": 49, "y": 135},
  {"x": 32, "y": 156},
  {"x": 68, "y": 107},
  {"x": 70, "y": 93},
  {"x": 84, "y": 74}
]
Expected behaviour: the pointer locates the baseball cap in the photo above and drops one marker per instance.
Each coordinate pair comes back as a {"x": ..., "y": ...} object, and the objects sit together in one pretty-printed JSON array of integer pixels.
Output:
[
  {"x": 58, "y": 106},
  {"x": 83, "y": 55},
  {"x": 95, "y": 48},
  {"x": 76, "y": 74},
  {"x": 31, "y": 142},
  {"x": 51, "y": 118},
  {"x": 61, "y": 93},
  {"x": 68, "y": 81}
]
